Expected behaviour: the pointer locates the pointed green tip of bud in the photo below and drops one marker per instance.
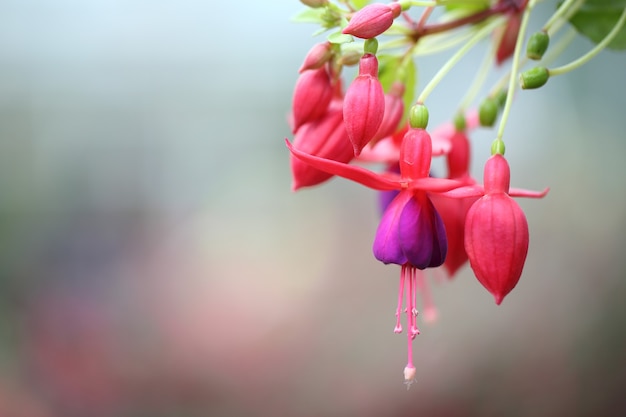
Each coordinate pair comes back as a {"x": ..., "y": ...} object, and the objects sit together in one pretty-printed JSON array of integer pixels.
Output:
[
  {"x": 537, "y": 45},
  {"x": 418, "y": 116},
  {"x": 534, "y": 78},
  {"x": 459, "y": 122},
  {"x": 370, "y": 46},
  {"x": 488, "y": 112},
  {"x": 497, "y": 147}
]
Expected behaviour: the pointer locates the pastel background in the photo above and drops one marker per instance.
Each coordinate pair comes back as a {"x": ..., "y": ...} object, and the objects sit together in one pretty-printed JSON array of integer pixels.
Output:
[{"x": 154, "y": 262}]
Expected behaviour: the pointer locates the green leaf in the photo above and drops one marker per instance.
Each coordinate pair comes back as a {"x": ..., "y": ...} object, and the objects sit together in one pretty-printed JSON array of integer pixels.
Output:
[
  {"x": 309, "y": 16},
  {"x": 339, "y": 38},
  {"x": 359, "y": 4},
  {"x": 469, "y": 7},
  {"x": 596, "y": 18}
]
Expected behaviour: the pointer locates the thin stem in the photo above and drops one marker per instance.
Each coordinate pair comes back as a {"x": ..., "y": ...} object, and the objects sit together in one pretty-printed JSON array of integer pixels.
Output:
[
  {"x": 479, "y": 81},
  {"x": 564, "y": 11},
  {"x": 454, "y": 59},
  {"x": 514, "y": 69},
  {"x": 595, "y": 51}
]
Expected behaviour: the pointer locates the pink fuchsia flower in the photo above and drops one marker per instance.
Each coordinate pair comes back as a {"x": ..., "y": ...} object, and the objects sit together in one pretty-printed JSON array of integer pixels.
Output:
[
  {"x": 325, "y": 137},
  {"x": 496, "y": 231},
  {"x": 364, "y": 104},
  {"x": 410, "y": 233},
  {"x": 372, "y": 20},
  {"x": 311, "y": 96}
]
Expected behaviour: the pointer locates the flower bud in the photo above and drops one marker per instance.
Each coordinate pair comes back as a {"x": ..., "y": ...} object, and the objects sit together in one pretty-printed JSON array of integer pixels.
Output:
[
  {"x": 364, "y": 104},
  {"x": 488, "y": 112},
  {"x": 325, "y": 137},
  {"x": 372, "y": 20},
  {"x": 537, "y": 45},
  {"x": 534, "y": 78},
  {"x": 314, "y": 3},
  {"x": 507, "y": 38},
  {"x": 418, "y": 116},
  {"x": 311, "y": 96},
  {"x": 496, "y": 233},
  {"x": 317, "y": 56}
]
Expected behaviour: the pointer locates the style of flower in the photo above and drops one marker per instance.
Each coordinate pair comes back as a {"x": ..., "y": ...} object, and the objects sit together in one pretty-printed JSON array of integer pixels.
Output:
[
  {"x": 411, "y": 232},
  {"x": 496, "y": 231}
]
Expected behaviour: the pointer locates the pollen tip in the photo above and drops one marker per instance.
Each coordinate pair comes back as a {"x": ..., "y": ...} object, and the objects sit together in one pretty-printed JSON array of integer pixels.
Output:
[{"x": 409, "y": 375}]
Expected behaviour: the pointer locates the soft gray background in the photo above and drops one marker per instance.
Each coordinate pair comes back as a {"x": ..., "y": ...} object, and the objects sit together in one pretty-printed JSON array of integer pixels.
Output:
[{"x": 154, "y": 262}]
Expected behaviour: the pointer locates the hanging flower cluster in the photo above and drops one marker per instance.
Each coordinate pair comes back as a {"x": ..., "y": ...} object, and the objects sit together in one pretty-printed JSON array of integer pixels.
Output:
[{"x": 342, "y": 123}]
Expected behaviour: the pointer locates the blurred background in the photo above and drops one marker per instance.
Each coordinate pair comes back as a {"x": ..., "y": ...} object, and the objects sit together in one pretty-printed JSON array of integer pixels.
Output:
[{"x": 154, "y": 262}]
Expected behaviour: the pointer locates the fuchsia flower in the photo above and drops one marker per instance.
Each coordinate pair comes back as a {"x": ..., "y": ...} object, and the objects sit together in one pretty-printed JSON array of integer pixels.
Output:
[
  {"x": 372, "y": 20},
  {"x": 496, "y": 231},
  {"x": 317, "y": 56},
  {"x": 364, "y": 104},
  {"x": 311, "y": 96},
  {"x": 325, "y": 137},
  {"x": 411, "y": 232}
]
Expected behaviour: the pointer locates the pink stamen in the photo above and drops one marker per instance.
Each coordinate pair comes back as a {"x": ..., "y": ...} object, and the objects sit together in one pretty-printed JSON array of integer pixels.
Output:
[{"x": 398, "y": 328}]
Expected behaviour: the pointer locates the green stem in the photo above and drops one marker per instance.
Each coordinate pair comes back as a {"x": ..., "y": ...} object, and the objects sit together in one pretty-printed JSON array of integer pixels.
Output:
[
  {"x": 563, "y": 13},
  {"x": 454, "y": 59},
  {"x": 514, "y": 69},
  {"x": 595, "y": 51},
  {"x": 479, "y": 81}
]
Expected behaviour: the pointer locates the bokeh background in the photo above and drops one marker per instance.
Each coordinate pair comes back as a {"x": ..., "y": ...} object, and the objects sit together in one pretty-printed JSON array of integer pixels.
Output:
[{"x": 154, "y": 262}]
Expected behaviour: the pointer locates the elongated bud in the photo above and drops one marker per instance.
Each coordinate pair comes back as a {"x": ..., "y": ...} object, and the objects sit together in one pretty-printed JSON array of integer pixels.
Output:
[
  {"x": 314, "y": 3},
  {"x": 364, "y": 104},
  {"x": 372, "y": 20},
  {"x": 496, "y": 233},
  {"x": 311, "y": 96},
  {"x": 415, "y": 154},
  {"x": 537, "y": 45},
  {"x": 488, "y": 112},
  {"x": 534, "y": 78},
  {"x": 317, "y": 56},
  {"x": 507, "y": 36}
]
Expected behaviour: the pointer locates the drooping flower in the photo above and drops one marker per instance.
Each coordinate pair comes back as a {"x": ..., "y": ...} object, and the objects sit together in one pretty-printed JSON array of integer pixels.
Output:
[
  {"x": 311, "y": 96},
  {"x": 364, "y": 104},
  {"x": 372, "y": 20},
  {"x": 325, "y": 137},
  {"x": 411, "y": 232},
  {"x": 496, "y": 231}
]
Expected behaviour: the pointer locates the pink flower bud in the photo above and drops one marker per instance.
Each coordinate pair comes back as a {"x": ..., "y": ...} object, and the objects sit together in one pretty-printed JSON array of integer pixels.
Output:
[
  {"x": 311, "y": 96},
  {"x": 317, "y": 56},
  {"x": 364, "y": 104},
  {"x": 394, "y": 110},
  {"x": 496, "y": 233},
  {"x": 372, "y": 20},
  {"x": 325, "y": 137},
  {"x": 507, "y": 37}
]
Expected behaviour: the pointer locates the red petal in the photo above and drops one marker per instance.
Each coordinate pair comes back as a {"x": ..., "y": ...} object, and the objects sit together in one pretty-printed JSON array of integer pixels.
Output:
[
  {"x": 437, "y": 185},
  {"x": 361, "y": 175}
]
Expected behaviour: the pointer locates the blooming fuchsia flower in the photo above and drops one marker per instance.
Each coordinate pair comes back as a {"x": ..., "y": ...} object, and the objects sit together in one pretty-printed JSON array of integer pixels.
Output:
[
  {"x": 364, "y": 104},
  {"x": 372, "y": 20},
  {"x": 410, "y": 233},
  {"x": 311, "y": 96},
  {"x": 496, "y": 231},
  {"x": 325, "y": 137}
]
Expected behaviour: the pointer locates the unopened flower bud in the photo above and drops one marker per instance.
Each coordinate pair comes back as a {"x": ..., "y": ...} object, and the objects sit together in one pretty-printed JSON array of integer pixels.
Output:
[
  {"x": 372, "y": 20},
  {"x": 364, "y": 104},
  {"x": 317, "y": 56},
  {"x": 394, "y": 110},
  {"x": 311, "y": 96},
  {"x": 537, "y": 45},
  {"x": 534, "y": 78},
  {"x": 418, "y": 116},
  {"x": 488, "y": 112},
  {"x": 507, "y": 38},
  {"x": 314, "y": 3}
]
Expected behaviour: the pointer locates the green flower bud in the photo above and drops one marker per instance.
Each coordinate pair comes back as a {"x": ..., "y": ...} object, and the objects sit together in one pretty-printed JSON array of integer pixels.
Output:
[
  {"x": 501, "y": 98},
  {"x": 314, "y": 3},
  {"x": 459, "y": 122},
  {"x": 418, "y": 116},
  {"x": 534, "y": 78},
  {"x": 497, "y": 147},
  {"x": 349, "y": 58},
  {"x": 537, "y": 45},
  {"x": 488, "y": 112}
]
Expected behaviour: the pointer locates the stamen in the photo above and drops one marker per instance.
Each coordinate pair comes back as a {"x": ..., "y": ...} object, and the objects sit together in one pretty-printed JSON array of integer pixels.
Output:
[
  {"x": 398, "y": 328},
  {"x": 411, "y": 303}
]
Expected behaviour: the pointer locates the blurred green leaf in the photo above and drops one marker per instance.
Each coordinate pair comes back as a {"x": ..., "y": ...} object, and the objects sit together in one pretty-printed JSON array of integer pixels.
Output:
[
  {"x": 389, "y": 71},
  {"x": 596, "y": 18},
  {"x": 359, "y": 4},
  {"x": 309, "y": 16}
]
